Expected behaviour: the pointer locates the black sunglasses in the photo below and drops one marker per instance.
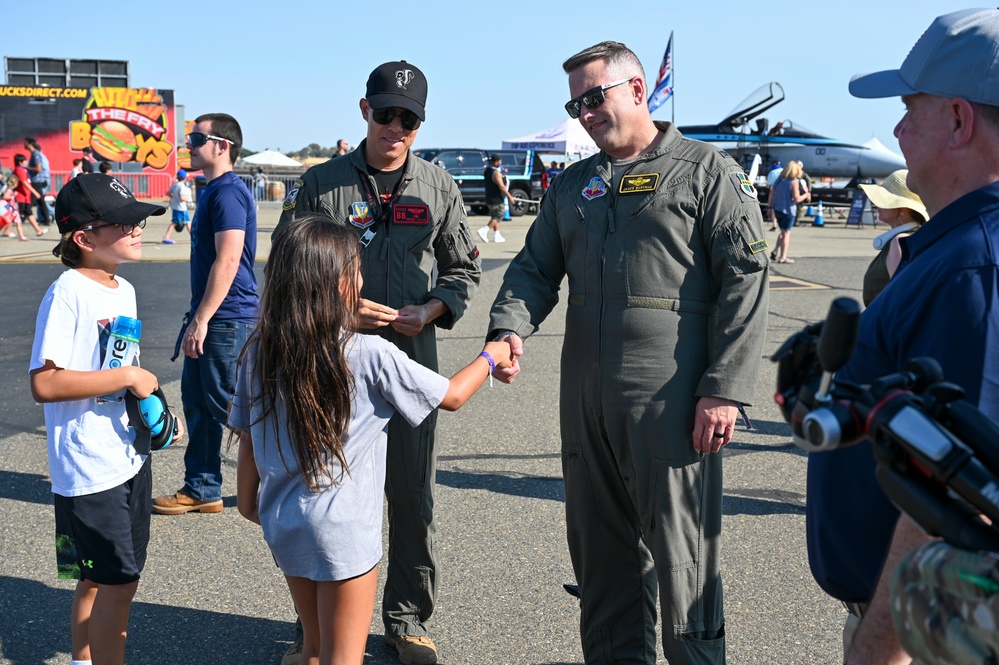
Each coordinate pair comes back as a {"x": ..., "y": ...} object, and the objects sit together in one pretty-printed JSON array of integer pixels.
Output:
[
  {"x": 592, "y": 98},
  {"x": 198, "y": 139},
  {"x": 408, "y": 119}
]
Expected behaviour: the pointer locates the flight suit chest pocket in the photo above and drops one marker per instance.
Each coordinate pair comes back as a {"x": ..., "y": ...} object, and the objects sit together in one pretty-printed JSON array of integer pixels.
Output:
[{"x": 744, "y": 246}]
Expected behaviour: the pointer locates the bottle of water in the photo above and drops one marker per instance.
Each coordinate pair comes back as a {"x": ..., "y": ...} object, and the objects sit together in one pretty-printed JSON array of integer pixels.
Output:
[{"x": 122, "y": 345}]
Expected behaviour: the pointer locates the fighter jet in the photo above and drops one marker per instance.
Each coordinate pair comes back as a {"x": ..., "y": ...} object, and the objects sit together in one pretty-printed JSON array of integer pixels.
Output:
[{"x": 785, "y": 141}]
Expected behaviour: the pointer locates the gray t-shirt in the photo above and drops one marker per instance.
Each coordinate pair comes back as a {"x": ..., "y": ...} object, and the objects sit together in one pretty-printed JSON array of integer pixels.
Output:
[{"x": 336, "y": 533}]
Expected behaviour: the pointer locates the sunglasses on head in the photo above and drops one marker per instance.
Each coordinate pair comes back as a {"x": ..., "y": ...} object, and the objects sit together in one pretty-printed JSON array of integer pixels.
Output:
[
  {"x": 592, "y": 98},
  {"x": 198, "y": 139},
  {"x": 408, "y": 119}
]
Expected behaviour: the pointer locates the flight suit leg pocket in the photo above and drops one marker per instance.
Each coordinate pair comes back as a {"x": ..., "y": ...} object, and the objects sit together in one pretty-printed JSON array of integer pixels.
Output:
[
  {"x": 675, "y": 537},
  {"x": 578, "y": 493}
]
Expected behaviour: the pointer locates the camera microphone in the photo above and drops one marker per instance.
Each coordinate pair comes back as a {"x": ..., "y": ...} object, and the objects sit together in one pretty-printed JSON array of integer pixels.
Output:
[{"x": 837, "y": 341}]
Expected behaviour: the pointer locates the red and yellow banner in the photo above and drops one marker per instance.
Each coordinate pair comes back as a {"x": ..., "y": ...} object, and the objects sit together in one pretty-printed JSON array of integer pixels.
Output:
[{"x": 124, "y": 125}]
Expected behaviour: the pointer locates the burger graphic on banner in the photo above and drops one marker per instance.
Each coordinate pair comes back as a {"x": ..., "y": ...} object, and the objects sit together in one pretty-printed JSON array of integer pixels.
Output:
[
  {"x": 113, "y": 140},
  {"x": 124, "y": 125}
]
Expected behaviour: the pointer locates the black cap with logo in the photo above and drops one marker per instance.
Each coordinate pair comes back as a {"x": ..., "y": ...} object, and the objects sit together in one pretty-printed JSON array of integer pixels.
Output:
[
  {"x": 398, "y": 84},
  {"x": 97, "y": 196}
]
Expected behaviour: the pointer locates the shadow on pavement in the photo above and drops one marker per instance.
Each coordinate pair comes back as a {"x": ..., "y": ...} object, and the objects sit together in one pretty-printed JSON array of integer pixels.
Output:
[
  {"x": 533, "y": 487},
  {"x": 31, "y": 487},
  {"x": 738, "y": 502},
  {"x": 34, "y": 623}
]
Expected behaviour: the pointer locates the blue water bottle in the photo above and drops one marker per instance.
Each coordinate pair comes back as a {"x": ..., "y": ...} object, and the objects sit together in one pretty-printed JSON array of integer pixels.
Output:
[{"x": 122, "y": 346}]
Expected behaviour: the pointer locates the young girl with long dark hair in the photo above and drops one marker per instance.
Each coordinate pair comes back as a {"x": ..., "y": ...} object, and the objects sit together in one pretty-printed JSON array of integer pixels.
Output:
[{"x": 312, "y": 403}]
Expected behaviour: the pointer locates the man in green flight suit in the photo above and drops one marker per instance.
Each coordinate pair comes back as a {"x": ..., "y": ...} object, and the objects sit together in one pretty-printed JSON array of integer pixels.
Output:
[{"x": 662, "y": 241}]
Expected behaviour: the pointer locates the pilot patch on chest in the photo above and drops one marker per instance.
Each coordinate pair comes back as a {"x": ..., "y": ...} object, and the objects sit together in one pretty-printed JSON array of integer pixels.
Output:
[
  {"x": 595, "y": 189},
  {"x": 638, "y": 183},
  {"x": 742, "y": 184},
  {"x": 360, "y": 215},
  {"x": 410, "y": 214}
]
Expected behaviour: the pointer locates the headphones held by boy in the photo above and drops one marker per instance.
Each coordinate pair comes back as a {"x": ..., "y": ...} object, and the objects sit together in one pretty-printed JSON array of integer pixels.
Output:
[{"x": 154, "y": 424}]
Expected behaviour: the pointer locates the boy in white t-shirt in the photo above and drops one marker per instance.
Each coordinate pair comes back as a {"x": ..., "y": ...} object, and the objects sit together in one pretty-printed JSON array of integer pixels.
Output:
[
  {"x": 100, "y": 472},
  {"x": 180, "y": 195}
]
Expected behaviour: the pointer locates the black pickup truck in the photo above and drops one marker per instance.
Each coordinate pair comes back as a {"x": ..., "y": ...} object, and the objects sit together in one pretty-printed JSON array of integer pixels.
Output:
[{"x": 524, "y": 168}]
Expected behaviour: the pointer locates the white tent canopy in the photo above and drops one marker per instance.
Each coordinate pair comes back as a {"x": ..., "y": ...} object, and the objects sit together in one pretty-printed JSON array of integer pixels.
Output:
[
  {"x": 568, "y": 137},
  {"x": 270, "y": 158}
]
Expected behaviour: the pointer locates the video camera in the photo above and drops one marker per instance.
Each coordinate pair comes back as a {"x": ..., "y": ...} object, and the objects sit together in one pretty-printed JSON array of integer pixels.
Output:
[{"x": 938, "y": 456}]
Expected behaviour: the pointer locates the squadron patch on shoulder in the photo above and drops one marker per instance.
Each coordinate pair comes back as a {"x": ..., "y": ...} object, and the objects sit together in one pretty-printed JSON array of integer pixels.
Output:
[
  {"x": 758, "y": 246},
  {"x": 596, "y": 188},
  {"x": 292, "y": 199},
  {"x": 638, "y": 183},
  {"x": 744, "y": 187},
  {"x": 724, "y": 153}
]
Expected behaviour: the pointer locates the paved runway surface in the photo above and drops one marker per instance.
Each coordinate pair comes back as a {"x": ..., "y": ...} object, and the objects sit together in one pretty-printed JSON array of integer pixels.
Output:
[{"x": 211, "y": 592}]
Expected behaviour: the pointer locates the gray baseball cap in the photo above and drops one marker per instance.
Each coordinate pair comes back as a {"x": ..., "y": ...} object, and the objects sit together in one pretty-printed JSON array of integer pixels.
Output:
[{"x": 957, "y": 56}]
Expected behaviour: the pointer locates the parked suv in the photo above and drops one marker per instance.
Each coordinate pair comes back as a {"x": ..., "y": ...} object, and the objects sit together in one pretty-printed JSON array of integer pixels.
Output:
[{"x": 524, "y": 168}]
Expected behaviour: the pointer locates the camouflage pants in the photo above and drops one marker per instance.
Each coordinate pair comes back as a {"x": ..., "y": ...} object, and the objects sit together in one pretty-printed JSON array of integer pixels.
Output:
[{"x": 945, "y": 605}]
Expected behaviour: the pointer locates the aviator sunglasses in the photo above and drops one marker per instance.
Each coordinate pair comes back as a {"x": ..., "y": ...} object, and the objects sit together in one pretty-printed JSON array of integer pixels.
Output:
[
  {"x": 408, "y": 119},
  {"x": 592, "y": 98},
  {"x": 197, "y": 139}
]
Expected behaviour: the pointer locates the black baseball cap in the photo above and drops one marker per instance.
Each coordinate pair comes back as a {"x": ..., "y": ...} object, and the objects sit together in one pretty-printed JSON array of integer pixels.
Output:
[
  {"x": 495, "y": 158},
  {"x": 97, "y": 196},
  {"x": 398, "y": 84}
]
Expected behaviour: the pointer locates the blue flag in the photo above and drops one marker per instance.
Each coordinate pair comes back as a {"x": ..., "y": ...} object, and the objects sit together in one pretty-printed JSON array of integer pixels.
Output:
[{"x": 664, "y": 84}]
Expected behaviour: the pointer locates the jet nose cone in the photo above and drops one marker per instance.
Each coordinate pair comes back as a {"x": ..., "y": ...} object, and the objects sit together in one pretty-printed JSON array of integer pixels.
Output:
[{"x": 878, "y": 162}]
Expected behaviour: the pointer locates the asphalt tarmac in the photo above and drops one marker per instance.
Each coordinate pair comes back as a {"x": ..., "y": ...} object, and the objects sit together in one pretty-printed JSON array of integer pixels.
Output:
[{"x": 211, "y": 592}]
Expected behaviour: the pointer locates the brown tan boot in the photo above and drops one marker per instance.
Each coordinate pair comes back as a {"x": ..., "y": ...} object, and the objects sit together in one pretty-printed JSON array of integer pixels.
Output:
[
  {"x": 181, "y": 503},
  {"x": 413, "y": 649}
]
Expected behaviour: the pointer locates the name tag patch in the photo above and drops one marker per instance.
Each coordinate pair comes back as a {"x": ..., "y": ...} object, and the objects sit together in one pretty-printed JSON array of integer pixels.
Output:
[
  {"x": 758, "y": 246},
  {"x": 410, "y": 214},
  {"x": 638, "y": 183}
]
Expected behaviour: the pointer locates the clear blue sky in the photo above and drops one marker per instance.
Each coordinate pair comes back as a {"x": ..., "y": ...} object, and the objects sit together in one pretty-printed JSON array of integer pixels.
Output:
[{"x": 292, "y": 72}]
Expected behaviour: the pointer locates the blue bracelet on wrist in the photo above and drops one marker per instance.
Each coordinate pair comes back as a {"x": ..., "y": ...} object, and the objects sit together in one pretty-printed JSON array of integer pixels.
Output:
[{"x": 489, "y": 359}]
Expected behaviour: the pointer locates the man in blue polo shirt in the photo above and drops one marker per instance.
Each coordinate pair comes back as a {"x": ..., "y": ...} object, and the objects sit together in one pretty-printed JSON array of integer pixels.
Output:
[
  {"x": 943, "y": 303},
  {"x": 223, "y": 309}
]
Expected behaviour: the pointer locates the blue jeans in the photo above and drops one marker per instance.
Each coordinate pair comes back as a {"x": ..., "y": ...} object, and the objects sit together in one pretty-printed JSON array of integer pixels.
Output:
[
  {"x": 206, "y": 388},
  {"x": 40, "y": 204}
]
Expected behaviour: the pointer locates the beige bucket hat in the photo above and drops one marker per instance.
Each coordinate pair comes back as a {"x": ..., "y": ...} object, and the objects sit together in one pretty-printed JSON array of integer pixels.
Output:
[{"x": 892, "y": 193}]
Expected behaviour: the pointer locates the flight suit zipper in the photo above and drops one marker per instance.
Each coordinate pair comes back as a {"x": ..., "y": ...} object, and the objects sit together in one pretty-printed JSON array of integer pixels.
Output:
[{"x": 609, "y": 228}]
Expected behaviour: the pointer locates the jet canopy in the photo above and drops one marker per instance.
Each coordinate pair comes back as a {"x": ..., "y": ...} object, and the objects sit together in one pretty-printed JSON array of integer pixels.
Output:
[{"x": 765, "y": 97}]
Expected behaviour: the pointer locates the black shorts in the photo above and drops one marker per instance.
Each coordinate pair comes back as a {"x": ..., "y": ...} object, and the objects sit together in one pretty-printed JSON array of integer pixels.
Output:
[
  {"x": 25, "y": 210},
  {"x": 103, "y": 537}
]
